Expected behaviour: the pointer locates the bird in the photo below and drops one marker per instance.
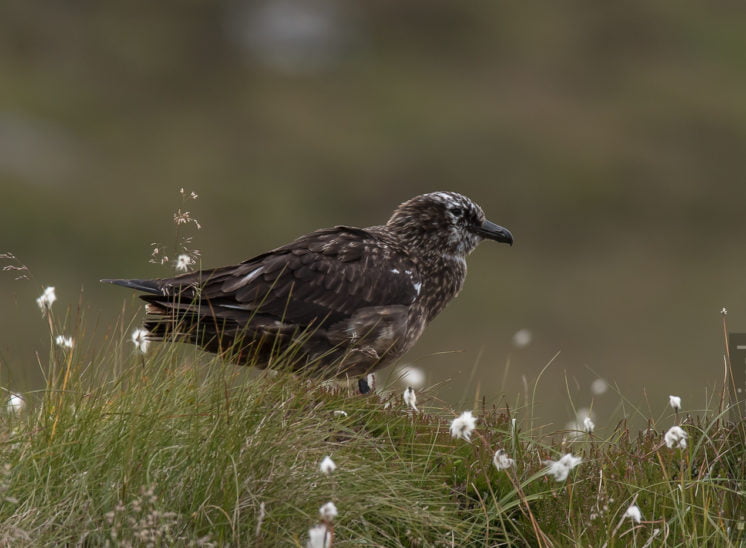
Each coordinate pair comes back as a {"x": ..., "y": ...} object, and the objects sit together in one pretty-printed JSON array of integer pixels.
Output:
[{"x": 340, "y": 301}]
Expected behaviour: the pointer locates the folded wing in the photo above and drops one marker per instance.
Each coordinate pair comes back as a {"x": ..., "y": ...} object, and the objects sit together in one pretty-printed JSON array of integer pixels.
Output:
[{"x": 342, "y": 285}]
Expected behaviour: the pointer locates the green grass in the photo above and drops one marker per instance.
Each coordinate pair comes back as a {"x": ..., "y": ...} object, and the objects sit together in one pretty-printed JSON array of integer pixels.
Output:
[{"x": 175, "y": 448}]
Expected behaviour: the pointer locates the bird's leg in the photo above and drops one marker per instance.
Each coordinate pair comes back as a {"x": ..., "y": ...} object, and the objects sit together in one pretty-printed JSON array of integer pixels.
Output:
[{"x": 363, "y": 386}]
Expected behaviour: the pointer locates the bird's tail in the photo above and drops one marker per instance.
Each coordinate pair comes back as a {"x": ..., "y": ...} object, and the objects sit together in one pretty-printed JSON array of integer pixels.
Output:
[
  {"x": 196, "y": 324},
  {"x": 174, "y": 320},
  {"x": 148, "y": 286}
]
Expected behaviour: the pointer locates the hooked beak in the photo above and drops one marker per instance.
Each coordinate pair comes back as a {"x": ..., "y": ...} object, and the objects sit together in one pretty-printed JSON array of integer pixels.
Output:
[{"x": 495, "y": 232}]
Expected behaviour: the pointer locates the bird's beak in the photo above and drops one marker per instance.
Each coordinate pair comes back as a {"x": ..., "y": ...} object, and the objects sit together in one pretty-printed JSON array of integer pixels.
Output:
[{"x": 495, "y": 232}]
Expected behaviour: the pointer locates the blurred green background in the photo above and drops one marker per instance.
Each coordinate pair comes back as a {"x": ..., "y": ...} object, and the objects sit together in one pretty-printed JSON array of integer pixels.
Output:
[{"x": 610, "y": 138}]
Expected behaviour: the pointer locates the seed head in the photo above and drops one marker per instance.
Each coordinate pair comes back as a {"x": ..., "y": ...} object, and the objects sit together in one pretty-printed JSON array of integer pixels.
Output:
[
  {"x": 187, "y": 195},
  {"x": 599, "y": 386},
  {"x": 15, "y": 403},
  {"x": 522, "y": 338},
  {"x": 319, "y": 537},
  {"x": 674, "y": 402},
  {"x": 183, "y": 262},
  {"x": 64, "y": 342},
  {"x": 676, "y": 438},
  {"x": 410, "y": 376},
  {"x": 328, "y": 511},
  {"x": 501, "y": 460},
  {"x": 140, "y": 339},
  {"x": 46, "y": 300},
  {"x": 410, "y": 398},
  {"x": 327, "y": 466},
  {"x": 463, "y": 426},
  {"x": 633, "y": 513},
  {"x": 561, "y": 468}
]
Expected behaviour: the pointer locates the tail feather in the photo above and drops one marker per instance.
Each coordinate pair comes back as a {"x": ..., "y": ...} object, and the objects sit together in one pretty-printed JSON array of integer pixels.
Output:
[{"x": 148, "y": 286}]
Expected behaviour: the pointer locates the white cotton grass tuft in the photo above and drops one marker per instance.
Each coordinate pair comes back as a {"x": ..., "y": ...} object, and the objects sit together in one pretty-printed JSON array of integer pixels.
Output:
[
  {"x": 583, "y": 419},
  {"x": 599, "y": 387},
  {"x": 319, "y": 537},
  {"x": 560, "y": 469},
  {"x": 463, "y": 425},
  {"x": 64, "y": 342},
  {"x": 15, "y": 403},
  {"x": 327, "y": 465},
  {"x": 410, "y": 376},
  {"x": 501, "y": 460},
  {"x": 328, "y": 511},
  {"x": 674, "y": 402},
  {"x": 522, "y": 338},
  {"x": 633, "y": 513},
  {"x": 46, "y": 300},
  {"x": 140, "y": 339},
  {"x": 676, "y": 438},
  {"x": 410, "y": 398},
  {"x": 183, "y": 262}
]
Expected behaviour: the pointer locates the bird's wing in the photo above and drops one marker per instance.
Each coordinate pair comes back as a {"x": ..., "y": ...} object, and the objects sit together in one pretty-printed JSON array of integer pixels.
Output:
[{"x": 326, "y": 276}]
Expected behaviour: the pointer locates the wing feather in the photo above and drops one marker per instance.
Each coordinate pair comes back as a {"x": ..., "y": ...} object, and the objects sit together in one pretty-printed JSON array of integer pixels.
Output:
[{"x": 326, "y": 276}]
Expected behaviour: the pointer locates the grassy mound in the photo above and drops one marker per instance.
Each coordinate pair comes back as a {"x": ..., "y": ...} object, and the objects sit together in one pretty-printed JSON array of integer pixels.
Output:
[{"x": 161, "y": 449}]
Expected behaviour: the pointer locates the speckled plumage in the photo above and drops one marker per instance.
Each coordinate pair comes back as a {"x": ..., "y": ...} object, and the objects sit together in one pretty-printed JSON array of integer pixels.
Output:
[{"x": 343, "y": 300}]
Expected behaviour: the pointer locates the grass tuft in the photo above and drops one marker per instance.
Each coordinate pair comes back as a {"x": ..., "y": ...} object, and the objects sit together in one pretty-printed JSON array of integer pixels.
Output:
[{"x": 170, "y": 448}]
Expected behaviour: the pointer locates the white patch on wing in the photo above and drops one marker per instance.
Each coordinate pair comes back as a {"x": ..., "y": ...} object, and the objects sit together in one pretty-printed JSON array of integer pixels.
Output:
[
  {"x": 418, "y": 287},
  {"x": 395, "y": 270},
  {"x": 253, "y": 274}
]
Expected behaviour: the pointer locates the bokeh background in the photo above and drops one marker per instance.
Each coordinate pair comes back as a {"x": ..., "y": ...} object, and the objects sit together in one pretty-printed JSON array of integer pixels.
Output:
[{"x": 611, "y": 139}]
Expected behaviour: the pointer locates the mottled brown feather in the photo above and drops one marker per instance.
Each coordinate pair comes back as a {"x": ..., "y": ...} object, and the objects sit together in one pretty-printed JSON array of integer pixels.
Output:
[{"x": 343, "y": 299}]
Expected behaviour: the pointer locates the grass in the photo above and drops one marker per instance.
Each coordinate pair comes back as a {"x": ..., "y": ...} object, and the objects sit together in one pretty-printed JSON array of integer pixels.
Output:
[{"x": 175, "y": 448}]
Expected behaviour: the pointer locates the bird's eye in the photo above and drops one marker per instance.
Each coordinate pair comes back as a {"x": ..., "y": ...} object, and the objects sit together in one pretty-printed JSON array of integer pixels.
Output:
[{"x": 457, "y": 211}]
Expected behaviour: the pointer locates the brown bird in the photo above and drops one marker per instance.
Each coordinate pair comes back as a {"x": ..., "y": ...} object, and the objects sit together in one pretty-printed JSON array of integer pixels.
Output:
[{"x": 337, "y": 301}]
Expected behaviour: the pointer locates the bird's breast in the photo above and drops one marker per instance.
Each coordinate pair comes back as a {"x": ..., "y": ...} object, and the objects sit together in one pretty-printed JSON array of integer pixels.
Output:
[{"x": 439, "y": 284}]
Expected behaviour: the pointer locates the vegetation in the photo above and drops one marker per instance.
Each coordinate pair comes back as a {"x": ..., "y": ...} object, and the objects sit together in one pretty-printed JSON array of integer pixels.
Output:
[
  {"x": 609, "y": 140},
  {"x": 158, "y": 449}
]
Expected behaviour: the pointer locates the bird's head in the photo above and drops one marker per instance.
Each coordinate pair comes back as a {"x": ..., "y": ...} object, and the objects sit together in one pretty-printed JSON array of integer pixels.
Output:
[{"x": 446, "y": 223}]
